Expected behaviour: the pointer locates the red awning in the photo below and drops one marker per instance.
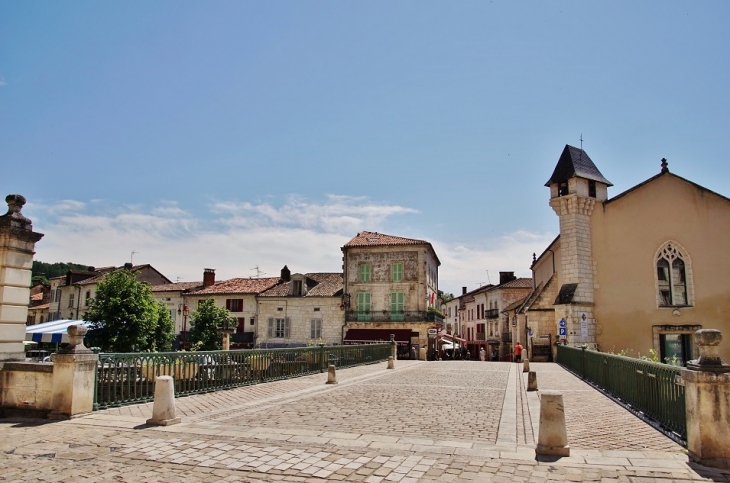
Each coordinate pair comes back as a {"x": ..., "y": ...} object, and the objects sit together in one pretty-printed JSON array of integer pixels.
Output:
[
  {"x": 444, "y": 334},
  {"x": 355, "y": 336}
]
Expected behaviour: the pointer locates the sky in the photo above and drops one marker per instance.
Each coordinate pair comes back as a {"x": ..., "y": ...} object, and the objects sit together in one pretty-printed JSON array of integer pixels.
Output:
[{"x": 243, "y": 136}]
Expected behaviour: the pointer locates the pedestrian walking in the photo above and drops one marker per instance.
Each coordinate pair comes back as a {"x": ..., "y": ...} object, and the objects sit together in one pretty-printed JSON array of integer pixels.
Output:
[
  {"x": 518, "y": 352},
  {"x": 482, "y": 354}
]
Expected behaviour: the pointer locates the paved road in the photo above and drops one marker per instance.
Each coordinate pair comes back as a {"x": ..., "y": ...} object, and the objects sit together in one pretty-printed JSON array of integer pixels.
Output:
[{"x": 423, "y": 421}]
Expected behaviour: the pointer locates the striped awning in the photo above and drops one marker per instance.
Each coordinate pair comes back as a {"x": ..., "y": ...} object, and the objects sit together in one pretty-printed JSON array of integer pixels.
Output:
[{"x": 54, "y": 331}]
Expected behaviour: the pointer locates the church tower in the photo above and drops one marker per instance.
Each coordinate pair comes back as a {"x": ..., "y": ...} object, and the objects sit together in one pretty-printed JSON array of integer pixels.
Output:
[{"x": 576, "y": 186}]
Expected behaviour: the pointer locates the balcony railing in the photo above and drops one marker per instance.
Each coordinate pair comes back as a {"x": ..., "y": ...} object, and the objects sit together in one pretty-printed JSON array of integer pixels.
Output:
[
  {"x": 493, "y": 313},
  {"x": 388, "y": 316},
  {"x": 506, "y": 336}
]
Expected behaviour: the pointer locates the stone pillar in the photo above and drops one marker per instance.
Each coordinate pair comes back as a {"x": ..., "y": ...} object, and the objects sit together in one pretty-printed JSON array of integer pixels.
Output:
[
  {"x": 17, "y": 245},
  {"x": 531, "y": 381},
  {"x": 391, "y": 364},
  {"x": 707, "y": 398},
  {"x": 332, "y": 374},
  {"x": 74, "y": 372},
  {"x": 526, "y": 365},
  {"x": 164, "y": 412},
  {"x": 393, "y": 347}
]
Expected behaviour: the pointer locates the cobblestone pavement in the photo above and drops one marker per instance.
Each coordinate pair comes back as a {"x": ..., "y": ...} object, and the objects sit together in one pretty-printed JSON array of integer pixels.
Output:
[{"x": 424, "y": 421}]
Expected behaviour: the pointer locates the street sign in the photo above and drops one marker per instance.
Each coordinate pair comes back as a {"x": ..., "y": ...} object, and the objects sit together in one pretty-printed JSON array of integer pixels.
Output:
[
  {"x": 562, "y": 331},
  {"x": 432, "y": 332},
  {"x": 562, "y": 323}
]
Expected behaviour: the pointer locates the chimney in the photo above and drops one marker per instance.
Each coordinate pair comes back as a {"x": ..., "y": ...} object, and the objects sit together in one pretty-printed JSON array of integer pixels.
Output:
[
  {"x": 208, "y": 277},
  {"x": 91, "y": 269},
  {"x": 463, "y": 290},
  {"x": 286, "y": 274},
  {"x": 505, "y": 277},
  {"x": 128, "y": 266}
]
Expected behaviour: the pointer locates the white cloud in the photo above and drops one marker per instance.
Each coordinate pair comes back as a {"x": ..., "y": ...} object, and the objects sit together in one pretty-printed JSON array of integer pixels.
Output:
[
  {"x": 238, "y": 236},
  {"x": 2, "y": 81}
]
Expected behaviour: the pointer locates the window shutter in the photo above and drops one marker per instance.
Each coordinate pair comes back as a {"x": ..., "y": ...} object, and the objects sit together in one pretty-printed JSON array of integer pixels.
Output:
[
  {"x": 228, "y": 304},
  {"x": 287, "y": 327},
  {"x": 312, "y": 330},
  {"x": 240, "y": 305},
  {"x": 271, "y": 328}
]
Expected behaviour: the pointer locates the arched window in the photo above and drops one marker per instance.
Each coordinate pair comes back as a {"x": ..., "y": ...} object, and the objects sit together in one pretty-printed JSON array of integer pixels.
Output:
[{"x": 673, "y": 276}]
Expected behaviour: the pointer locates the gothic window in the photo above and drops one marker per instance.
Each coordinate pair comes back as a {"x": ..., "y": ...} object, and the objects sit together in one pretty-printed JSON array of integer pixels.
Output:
[{"x": 673, "y": 276}]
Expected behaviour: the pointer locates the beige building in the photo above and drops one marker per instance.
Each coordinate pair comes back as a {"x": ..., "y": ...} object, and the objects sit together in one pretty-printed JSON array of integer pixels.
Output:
[
  {"x": 302, "y": 309},
  {"x": 238, "y": 296},
  {"x": 390, "y": 283},
  {"x": 642, "y": 270}
]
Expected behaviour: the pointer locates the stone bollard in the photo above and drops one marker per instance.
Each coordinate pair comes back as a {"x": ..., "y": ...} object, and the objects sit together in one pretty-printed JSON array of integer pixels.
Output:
[
  {"x": 393, "y": 347},
  {"x": 707, "y": 400},
  {"x": 526, "y": 366},
  {"x": 552, "y": 437},
  {"x": 331, "y": 374},
  {"x": 163, "y": 408},
  {"x": 531, "y": 381},
  {"x": 391, "y": 365}
]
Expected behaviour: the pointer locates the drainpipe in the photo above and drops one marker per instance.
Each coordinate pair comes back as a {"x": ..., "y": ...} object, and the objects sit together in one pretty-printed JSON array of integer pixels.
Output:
[{"x": 78, "y": 301}]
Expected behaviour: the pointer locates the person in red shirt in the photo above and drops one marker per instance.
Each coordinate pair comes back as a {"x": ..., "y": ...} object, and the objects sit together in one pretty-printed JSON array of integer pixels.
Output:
[{"x": 518, "y": 352}]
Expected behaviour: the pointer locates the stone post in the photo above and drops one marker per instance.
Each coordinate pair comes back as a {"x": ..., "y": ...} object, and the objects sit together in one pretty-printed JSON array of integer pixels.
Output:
[
  {"x": 552, "y": 439},
  {"x": 17, "y": 245},
  {"x": 332, "y": 374},
  {"x": 707, "y": 399},
  {"x": 391, "y": 364},
  {"x": 531, "y": 381},
  {"x": 393, "y": 347},
  {"x": 526, "y": 366},
  {"x": 164, "y": 412},
  {"x": 73, "y": 377}
]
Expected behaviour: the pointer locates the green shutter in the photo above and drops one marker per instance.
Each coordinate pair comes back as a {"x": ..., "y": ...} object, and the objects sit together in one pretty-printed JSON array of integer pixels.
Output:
[
  {"x": 397, "y": 272},
  {"x": 365, "y": 272},
  {"x": 397, "y": 300},
  {"x": 363, "y": 306}
]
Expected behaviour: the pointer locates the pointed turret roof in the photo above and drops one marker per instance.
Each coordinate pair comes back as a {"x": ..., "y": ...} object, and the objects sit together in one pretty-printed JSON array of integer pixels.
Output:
[{"x": 574, "y": 162}]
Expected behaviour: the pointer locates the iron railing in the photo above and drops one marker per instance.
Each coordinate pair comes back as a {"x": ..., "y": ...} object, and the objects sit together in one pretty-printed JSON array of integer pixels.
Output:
[
  {"x": 392, "y": 316},
  {"x": 130, "y": 378},
  {"x": 492, "y": 313},
  {"x": 650, "y": 388}
]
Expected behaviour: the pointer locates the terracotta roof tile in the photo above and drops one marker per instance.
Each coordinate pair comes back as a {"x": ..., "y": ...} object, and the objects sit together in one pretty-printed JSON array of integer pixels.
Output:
[
  {"x": 36, "y": 296},
  {"x": 239, "y": 285},
  {"x": 368, "y": 239},
  {"x": 178, "y": 286},
  {"x": 517, "y": 283}
]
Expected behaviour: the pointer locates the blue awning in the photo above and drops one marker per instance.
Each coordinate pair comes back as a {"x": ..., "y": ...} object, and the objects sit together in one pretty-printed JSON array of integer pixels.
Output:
[{"x": 54, "y": 331}]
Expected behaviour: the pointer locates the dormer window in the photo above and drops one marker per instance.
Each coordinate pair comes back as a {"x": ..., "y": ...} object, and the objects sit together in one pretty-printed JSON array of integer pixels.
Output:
[
  {"x": 562, "y": 188},
  {"x": 297, "y": 288}
]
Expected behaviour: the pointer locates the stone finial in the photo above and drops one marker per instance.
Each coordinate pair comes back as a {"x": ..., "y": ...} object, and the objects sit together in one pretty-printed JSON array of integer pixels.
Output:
[
  {"x": 665, "y": 165},
  {"x": 708, "y": 341},
  {"x": 76, "y": 334},
  {"x": 14, "y": 218}
]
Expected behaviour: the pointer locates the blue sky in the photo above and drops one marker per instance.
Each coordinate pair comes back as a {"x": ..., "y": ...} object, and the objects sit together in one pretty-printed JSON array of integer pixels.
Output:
[{"x": 239, "y": 134}]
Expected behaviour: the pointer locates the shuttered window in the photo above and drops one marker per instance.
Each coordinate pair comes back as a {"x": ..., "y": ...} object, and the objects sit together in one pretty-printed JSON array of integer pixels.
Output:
[
  {"x": 396, "y": 305},
  {"x": 234, "y": 305},
  {"x": 365, "y": 272},
  {"x": 279, "y": 328},
  {"x": 363, "y": 306},
  {"x": 315, "y": 329},
  {"x": 397, "y": 272}
]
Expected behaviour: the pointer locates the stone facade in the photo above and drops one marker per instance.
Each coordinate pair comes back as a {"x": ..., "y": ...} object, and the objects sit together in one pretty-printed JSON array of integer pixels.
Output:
[{"x": 303, "y": 314}]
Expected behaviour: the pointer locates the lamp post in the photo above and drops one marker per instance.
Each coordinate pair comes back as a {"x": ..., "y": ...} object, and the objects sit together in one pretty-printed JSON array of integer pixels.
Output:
[{"x": 186, "y": 312}]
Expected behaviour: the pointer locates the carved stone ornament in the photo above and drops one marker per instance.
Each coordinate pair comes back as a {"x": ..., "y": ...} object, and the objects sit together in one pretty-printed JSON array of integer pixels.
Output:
[
  {"x": 708, "y": 341},
  {"x": 76, "y": 334}
]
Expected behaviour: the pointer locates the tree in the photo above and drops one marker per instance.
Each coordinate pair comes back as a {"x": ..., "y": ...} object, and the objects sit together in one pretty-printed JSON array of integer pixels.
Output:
[
  {"x": 165, "y": 330},
  {"x": 206, "y": 321},
  {"x": 125, "y": 317}
]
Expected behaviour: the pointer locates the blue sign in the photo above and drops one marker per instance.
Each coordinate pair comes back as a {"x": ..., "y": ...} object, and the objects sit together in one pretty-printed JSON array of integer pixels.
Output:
[
  {"x": 562, "y": 323},
  {"x": 562, "y": 332}
]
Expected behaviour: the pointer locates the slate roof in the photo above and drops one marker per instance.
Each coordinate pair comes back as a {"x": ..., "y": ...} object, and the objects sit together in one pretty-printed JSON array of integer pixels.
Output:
[
  {"x": 177, "y": 286},
  {"x": 238, "y": 286},
  {"x": 318, "y": 285},
  {"x": 574, "y": 162}
]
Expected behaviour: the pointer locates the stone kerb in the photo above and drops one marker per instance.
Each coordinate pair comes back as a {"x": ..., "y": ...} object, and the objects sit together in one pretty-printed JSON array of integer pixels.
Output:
[{"x": 707, "y": 399}]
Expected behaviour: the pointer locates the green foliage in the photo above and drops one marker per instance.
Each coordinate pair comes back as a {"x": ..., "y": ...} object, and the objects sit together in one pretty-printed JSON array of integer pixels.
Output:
[
  {"x": 437, "y": 312},
  {"x": 206, "y": 321},
  {"x": 165, "y": 330},
  {"x": 445, "y": 297},
  {"x": 125, "y": 317},
  {"x": 50, "y": 270},
  {"x": 35, "y": 280}
]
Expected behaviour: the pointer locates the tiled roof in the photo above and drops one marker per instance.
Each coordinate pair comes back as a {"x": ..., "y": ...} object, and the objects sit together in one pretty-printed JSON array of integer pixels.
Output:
[
  {"x": 517, "y": 283},
  {"x": 574, "y": 162},
  {"x": 238, "y": 285},
  {"x": 178, "y": 286},
  {"x": 318, "y": 285},
  {"x": 515, "y": 305},
  {"x": 36, "y": 297},
  {"x": 369, "y": 239},
  {"x": 40, "y": 307},
  {"x": 104, "y": 270}
]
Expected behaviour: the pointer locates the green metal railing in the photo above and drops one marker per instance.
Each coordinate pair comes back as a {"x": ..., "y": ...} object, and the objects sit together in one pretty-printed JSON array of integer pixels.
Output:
[
  {"x": 129, "y": 378},
  {"x": 654, "y": 389}
]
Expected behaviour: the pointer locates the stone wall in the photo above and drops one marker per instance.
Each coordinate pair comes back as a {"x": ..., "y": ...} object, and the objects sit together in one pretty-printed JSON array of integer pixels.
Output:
[
  {"x": 25, "y": 388},
  {"x": 301, "y": 311}
]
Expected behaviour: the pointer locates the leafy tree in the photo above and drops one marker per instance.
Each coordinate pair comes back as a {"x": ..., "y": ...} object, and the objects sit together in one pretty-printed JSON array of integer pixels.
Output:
[
  {"x": 125, "y": 317},
  {"x": 206, "y": 321},
  {"x": 165, "y": 330},
  {"x": 50, "y": 270}
]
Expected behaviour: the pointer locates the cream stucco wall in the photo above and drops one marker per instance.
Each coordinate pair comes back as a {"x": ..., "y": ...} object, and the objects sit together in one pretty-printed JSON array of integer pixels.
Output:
[
  {"x": 301, "y": 311},
  {"x": 250, "y": 308},
  {"x": 626, "y": 234}
]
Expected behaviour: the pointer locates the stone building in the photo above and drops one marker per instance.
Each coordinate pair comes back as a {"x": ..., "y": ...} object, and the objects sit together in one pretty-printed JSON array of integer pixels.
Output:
[
  {"x": 390, "y": 283},
  {"x": 642, "y": 270},
  {"x": 302, "y": 309}
]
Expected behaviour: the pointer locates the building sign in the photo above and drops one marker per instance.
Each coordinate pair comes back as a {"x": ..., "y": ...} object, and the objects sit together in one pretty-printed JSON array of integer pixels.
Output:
[{"x": 432, "y": 333}]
